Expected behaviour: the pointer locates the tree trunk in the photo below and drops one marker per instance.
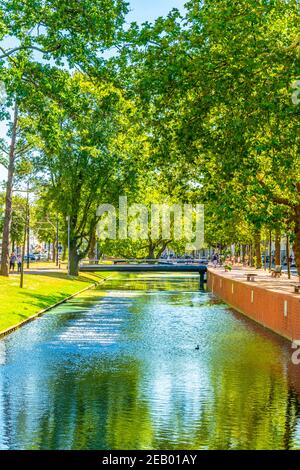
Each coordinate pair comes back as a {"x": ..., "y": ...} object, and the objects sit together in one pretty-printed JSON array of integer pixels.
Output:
[
  {"x": 98, "y": 251},
  {"x": 54, "y": 251},
  {"x": 74, "y": 258},
  {"x": 251, "y": 255},
  {"x": 151, "y": 254},
  {"x": 270, "y": 251},
  {"x": 243, "y": 254},
  {"x": 8, "y": 198},
  {"x": 257, "y": 249},
  {"x": 92, "y": 250},
  {"x": 162, "y": 249},
  {"x": 297, "y": 238},
  {"x": 151, "y": 250},
  {"x": 288, "y": 256},
  {"x": 278, "y": 248},
  {"x": 64, "y": 253}
]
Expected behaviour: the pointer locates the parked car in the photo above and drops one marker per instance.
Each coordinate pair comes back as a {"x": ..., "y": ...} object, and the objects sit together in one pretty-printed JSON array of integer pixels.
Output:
[{"x": 31, "y": 257}]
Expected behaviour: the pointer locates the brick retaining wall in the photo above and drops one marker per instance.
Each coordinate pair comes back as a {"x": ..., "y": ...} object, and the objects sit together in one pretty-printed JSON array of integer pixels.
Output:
[{"x": 278, "y": 311}]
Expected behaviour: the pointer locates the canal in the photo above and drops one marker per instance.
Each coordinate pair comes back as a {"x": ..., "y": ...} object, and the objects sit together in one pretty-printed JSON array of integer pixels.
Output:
[{"x": 147, "y": 362}]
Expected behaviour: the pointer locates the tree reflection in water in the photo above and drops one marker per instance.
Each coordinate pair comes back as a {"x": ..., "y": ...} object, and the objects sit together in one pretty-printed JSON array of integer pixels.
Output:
[{"x": 117, "y": 368}]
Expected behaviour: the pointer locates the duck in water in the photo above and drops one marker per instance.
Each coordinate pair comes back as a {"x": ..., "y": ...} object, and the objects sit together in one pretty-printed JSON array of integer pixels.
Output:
[{"x": 197, "y": 348}]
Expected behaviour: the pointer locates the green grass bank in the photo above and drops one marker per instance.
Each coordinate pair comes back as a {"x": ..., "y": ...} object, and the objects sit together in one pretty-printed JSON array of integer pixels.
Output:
[{"x": 40, "y": 292}]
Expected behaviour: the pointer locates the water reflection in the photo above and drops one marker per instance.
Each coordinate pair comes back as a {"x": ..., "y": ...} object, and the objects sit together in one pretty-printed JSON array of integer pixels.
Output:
[{"x": 117, "y": 368}]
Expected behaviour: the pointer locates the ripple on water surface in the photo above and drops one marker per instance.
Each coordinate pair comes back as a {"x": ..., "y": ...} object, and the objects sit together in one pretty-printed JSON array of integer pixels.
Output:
[{"x": 118, "y": 368}]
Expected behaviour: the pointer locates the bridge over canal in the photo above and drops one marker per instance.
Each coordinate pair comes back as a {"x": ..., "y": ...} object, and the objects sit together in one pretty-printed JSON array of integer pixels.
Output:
[{"x": 128, "y": 267}]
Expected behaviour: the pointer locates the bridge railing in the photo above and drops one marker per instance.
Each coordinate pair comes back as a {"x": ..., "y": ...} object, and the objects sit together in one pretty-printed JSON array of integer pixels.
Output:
[{"x": 161, "y": 261}]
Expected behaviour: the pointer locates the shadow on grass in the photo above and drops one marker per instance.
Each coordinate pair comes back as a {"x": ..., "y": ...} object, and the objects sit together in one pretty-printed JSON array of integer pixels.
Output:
[
  {"x": 30, "y": 299},
  {"x": 58, "y": 275},
  {"x": 42, "y": 301}
]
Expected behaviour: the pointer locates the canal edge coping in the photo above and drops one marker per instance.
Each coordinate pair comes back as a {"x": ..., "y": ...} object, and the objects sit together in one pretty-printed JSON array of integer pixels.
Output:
[{"x": 13, "y": 328}]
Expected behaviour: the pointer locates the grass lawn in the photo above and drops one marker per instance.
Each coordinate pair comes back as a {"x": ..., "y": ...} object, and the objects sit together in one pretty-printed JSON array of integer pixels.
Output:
[
  {"x": 40, "y": 291},
  {"x": 44, "y": 265}
]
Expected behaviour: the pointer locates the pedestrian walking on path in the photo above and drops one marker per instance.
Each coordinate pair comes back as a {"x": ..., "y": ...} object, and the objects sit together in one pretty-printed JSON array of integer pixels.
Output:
[
  {"x": 19, "y": 261},
  {"x": 12, "y": 261}
]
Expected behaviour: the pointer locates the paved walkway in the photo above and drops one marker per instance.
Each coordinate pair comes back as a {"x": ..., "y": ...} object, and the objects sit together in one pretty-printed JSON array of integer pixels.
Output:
[
  {"x": 43, "y": 270},
  {"x": 33, "y": 270},
  {"x": 263, "y": 279}
]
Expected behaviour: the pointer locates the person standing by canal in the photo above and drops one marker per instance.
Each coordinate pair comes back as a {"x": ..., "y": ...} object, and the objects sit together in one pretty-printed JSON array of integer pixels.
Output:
[
  {"x": 12, "y": 261},
  {"x": 19, "y": 262},
  {"x": 215, "y": 260}
]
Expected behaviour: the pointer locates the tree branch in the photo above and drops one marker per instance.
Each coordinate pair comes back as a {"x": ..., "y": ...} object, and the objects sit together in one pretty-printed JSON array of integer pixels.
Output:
[
  {"x": 9, "y": 52},
  {"x": 277, "y": 199}
]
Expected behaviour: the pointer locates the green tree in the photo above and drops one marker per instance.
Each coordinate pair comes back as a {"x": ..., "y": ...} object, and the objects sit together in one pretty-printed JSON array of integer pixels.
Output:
[
  {"x": 72, "y": 33},
  {"x": 18, "y": 218},
  {"x": 87, "y": 145},
  {"x": 219, "y": 90}
]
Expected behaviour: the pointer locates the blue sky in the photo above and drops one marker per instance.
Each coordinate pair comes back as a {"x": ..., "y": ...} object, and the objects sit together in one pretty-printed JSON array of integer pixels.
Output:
[
  {"x": 141, "y": 10},
  {"x": 148, "y": 10}
]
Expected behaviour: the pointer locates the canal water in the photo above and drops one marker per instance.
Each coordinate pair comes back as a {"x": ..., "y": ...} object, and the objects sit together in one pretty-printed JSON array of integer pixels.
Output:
[{"x": 147, "y": 362}]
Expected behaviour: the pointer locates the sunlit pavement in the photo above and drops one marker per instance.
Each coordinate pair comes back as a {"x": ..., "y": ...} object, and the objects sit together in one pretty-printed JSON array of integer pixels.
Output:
[{"x": 263, "y": 278}]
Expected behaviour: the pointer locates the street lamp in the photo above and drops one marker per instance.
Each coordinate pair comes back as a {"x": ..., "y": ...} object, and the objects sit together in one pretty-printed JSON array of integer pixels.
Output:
[
  {"x": 26, "y": 233},
  {"x": 69, "y": 258},
  {"x": 57, "y": 241}
]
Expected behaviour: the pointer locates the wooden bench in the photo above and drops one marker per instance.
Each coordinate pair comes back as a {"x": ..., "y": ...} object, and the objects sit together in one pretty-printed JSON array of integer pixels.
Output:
[
  {"x": 251, "y": 277},
  {"x": 297, "y": 288},
  {"x": 277, "y": 271}
]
